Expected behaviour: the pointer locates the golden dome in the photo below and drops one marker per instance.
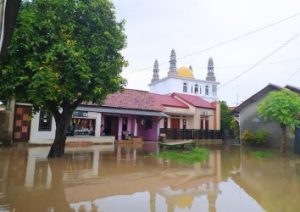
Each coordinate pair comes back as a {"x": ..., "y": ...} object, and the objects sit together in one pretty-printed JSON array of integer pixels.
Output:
[
  {"x": 185, "y": 72},
  {"x": 184, "y": 201}
]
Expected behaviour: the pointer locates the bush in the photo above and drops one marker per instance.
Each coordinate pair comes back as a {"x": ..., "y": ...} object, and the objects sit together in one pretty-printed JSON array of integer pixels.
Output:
[{"x": 258, "y": 137}]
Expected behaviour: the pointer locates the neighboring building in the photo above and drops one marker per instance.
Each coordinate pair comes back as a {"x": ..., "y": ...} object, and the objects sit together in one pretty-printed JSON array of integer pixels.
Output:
[
  {"x": 188, "y": 112},
  {"x": 182, "y": 80},
  {"x": 249, "y": 120}
]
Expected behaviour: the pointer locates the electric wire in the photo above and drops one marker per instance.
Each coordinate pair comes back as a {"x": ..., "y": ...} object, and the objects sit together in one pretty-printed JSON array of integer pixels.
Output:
[
  {"x": 262, "y": 60},
  {"x": 222, "y": 43}
]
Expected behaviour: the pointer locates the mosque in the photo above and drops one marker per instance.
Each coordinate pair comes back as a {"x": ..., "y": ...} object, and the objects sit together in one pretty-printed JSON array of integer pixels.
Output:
[{"x": 182, "y": 80}]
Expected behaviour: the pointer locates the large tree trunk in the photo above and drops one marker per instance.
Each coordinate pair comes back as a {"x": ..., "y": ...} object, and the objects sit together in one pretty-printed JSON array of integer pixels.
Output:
[
  {"x": 62, "y": 123},
  {"x": 283, "y": 138},
  {"x": 8, "y": 23}
]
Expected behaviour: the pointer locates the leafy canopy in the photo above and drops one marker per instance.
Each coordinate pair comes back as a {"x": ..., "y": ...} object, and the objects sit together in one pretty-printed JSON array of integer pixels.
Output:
[
  {"x": 64, "y": 52},
  {"x": 226, "y": 117},
  {"x": 282, "y": 106}
]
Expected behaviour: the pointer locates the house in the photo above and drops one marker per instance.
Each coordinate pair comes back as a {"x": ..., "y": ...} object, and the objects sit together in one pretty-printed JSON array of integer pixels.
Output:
[
  {"x": 130, "y": 113},
  {"x": 249, "y": 120},
  {"x": 188, "y": 112},
  {"x": 189, "y": 117}
]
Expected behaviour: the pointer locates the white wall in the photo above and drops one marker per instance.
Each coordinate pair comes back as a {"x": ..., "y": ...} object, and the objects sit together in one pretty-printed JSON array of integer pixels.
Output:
[
  {"x": 41, "y": 137},
  {"x": 171, "y": 85},
  {"x": 47, "y": 137}
]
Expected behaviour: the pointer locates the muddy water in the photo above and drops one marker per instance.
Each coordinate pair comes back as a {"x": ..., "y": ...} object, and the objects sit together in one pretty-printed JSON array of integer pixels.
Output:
[{"x": 128, "y": 178}]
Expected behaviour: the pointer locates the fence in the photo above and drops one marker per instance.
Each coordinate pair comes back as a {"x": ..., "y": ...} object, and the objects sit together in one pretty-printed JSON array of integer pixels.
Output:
[{"x": 191, "y": 134}]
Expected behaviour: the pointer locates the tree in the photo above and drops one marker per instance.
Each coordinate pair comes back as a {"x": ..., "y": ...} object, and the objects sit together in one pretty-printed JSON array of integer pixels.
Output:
[
  {"x": 226, "y": 117},
  {"x": 64, "y": 52},
  {"x": 283, "y": 107}
]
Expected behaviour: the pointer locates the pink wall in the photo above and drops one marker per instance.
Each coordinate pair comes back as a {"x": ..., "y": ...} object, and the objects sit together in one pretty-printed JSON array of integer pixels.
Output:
[{"x": 149, "y": 134}]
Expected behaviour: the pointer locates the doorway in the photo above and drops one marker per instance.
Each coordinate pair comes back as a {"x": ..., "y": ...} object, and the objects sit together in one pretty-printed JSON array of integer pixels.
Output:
[
  {"x": 111, "y": 126},
  {"x": 175, "y": 123}
]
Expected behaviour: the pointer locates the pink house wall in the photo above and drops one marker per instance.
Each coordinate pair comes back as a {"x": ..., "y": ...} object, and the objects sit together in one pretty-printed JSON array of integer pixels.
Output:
[{"x": 149, "y": 134}]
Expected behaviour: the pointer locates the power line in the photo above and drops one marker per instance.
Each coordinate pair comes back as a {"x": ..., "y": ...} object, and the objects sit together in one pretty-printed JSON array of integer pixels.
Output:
[
  {"x": 225, "y": 42},
  {"x": 263, "y": 59},
  {"x": 270, "y": 63},
  {"x": 293, "y": 74}
]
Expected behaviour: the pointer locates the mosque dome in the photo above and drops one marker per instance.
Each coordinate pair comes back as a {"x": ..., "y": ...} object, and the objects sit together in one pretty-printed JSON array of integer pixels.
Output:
[
  {"x": 184, "y": 201},
  {"x": 185, "y": 72}
]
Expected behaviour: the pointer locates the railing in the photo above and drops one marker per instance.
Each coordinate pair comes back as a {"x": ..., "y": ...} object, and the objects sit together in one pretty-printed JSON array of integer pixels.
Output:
[{"x": 191, "y": 134}]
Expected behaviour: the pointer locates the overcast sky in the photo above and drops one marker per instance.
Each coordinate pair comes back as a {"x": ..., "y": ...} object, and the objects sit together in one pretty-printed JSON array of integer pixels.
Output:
[{"x": 154, "y": 27}]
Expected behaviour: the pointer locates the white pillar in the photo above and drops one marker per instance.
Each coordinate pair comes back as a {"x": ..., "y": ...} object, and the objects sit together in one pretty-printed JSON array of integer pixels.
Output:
[
  {"x": 135, "y": 127},
  {"x": 96, "y": 155},
  {"x": 120, "y": 128},
  {"x": 98, "y": 125}
]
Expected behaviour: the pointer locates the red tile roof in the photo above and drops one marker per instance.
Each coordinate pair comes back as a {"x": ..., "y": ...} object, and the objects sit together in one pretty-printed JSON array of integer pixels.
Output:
[
  {"x": 133, "y": 99},
  {"x": 144, "y": 100},
  {"x": 195, "y": 101},
  {"x": 168, "y": 101}
]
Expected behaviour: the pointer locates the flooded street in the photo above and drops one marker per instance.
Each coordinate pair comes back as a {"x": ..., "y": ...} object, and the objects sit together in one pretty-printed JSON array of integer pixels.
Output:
[{"x": 127, "y": 178}]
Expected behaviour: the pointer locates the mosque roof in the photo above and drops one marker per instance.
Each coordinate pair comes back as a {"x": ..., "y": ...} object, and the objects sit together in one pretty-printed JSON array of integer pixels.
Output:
[{"x": 185, "y": 72}]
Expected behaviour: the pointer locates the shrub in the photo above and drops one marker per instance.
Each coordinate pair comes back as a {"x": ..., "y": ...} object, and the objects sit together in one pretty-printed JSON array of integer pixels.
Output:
[{"x": 258, "y": 137}]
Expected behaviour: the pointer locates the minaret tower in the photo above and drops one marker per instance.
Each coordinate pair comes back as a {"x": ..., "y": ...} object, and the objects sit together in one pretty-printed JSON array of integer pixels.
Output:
[
  {"x": 210, "y": 70},
  {"x": 155, "y": 72},
  {"x": 172, "y": 69}
]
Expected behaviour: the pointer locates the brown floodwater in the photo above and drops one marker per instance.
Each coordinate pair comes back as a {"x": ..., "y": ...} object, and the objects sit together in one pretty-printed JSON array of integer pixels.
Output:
[{"x": 127, "y": 178}]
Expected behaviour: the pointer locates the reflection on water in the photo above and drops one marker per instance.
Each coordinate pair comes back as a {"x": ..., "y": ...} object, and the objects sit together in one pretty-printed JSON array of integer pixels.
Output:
[{"x": 127, "y": 178}]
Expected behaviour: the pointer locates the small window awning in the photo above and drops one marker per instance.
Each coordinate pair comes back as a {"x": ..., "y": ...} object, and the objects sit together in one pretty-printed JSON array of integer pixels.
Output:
[{"x": 122, "y": 111}]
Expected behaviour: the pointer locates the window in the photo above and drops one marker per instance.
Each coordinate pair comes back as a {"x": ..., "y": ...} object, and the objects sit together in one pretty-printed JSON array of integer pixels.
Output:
[
  {"x": 204, "y": 124},
  {"x": 214, "y": 90},
  {"x": 45, "y": 121},
  {"x": 165, "y": 123},
  {"x": 196, "y": 88},
  {"x": 192, "y": 89},
  {"x": 199, "y": 89},
  {"x": 206, "y": 90},
  {"x": 185, "y": 87},
  {"x": 148, "y": 124},
  {"x": 184, "y": 124}
]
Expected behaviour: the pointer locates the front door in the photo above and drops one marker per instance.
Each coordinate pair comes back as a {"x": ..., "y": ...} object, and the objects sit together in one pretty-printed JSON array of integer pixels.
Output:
[
  {"x": 111, "y": 126},
  {"x": 22, "y": 123},
  {"x": 175, "y": 123}
]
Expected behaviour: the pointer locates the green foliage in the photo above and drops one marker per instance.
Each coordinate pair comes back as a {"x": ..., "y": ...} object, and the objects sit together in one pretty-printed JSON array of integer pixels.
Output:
[
  {"x": 282, "y": 106},
  {"x": 260, "y": 154},
  {"x": 234, "y": 128},
  {"x": 226, "y": 117},
  {"x": 258, "y": 137},
  {"x": 63, "y": 53},
  {"x": 193, "y": 156}
]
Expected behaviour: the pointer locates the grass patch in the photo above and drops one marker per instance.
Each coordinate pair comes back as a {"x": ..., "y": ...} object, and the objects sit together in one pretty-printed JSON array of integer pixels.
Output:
[
  {"x": 190, "y": 157},
  {"x": 261, "y": 154}
]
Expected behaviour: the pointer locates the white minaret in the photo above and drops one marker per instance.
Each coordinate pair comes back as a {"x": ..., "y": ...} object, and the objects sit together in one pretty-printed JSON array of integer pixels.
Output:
[
  {"x": 173, "y": 68},
  {"x": 210, "y": 70},
  {"x": 155, "y": 72}
]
